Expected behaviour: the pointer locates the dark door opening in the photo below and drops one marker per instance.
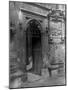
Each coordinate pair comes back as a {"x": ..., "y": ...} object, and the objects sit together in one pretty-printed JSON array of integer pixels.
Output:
[{"x": 33, "y": 47}]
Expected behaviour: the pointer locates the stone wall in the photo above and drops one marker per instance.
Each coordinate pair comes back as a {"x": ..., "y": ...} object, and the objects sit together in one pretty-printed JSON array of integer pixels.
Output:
[{"x": 49, "y": 51}]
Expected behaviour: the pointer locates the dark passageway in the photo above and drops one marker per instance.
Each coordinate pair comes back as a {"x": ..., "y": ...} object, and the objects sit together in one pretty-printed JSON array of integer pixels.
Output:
[{"x": 33, "y": 46}]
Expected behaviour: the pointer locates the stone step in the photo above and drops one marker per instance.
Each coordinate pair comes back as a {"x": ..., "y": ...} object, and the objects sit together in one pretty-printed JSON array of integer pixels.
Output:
[{"x": 33, "y": 77}]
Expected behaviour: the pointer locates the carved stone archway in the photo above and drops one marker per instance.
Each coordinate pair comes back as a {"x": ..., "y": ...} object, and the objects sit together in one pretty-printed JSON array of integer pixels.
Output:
[{"x": 34, "y": 46}]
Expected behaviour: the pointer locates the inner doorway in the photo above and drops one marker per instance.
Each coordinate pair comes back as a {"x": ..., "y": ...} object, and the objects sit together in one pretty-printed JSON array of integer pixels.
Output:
[{"x": 33, "y": 46}]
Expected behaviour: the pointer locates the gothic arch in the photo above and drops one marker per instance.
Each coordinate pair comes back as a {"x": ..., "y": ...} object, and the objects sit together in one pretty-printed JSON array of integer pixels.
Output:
[{"x": 34, "y": 45}]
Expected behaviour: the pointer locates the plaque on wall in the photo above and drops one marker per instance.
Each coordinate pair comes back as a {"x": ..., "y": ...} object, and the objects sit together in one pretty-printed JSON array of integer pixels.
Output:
[
  {"x": 55, "y": 32},
  {"x": 56, "y": 28}
]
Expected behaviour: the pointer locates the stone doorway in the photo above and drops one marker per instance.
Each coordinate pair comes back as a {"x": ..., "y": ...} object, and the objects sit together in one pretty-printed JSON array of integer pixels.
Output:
[{"x": 34, "y": 47}]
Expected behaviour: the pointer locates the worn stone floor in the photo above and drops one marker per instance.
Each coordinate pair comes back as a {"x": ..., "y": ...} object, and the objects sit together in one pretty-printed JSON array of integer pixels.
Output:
[{"x": 34, "y": 80}]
